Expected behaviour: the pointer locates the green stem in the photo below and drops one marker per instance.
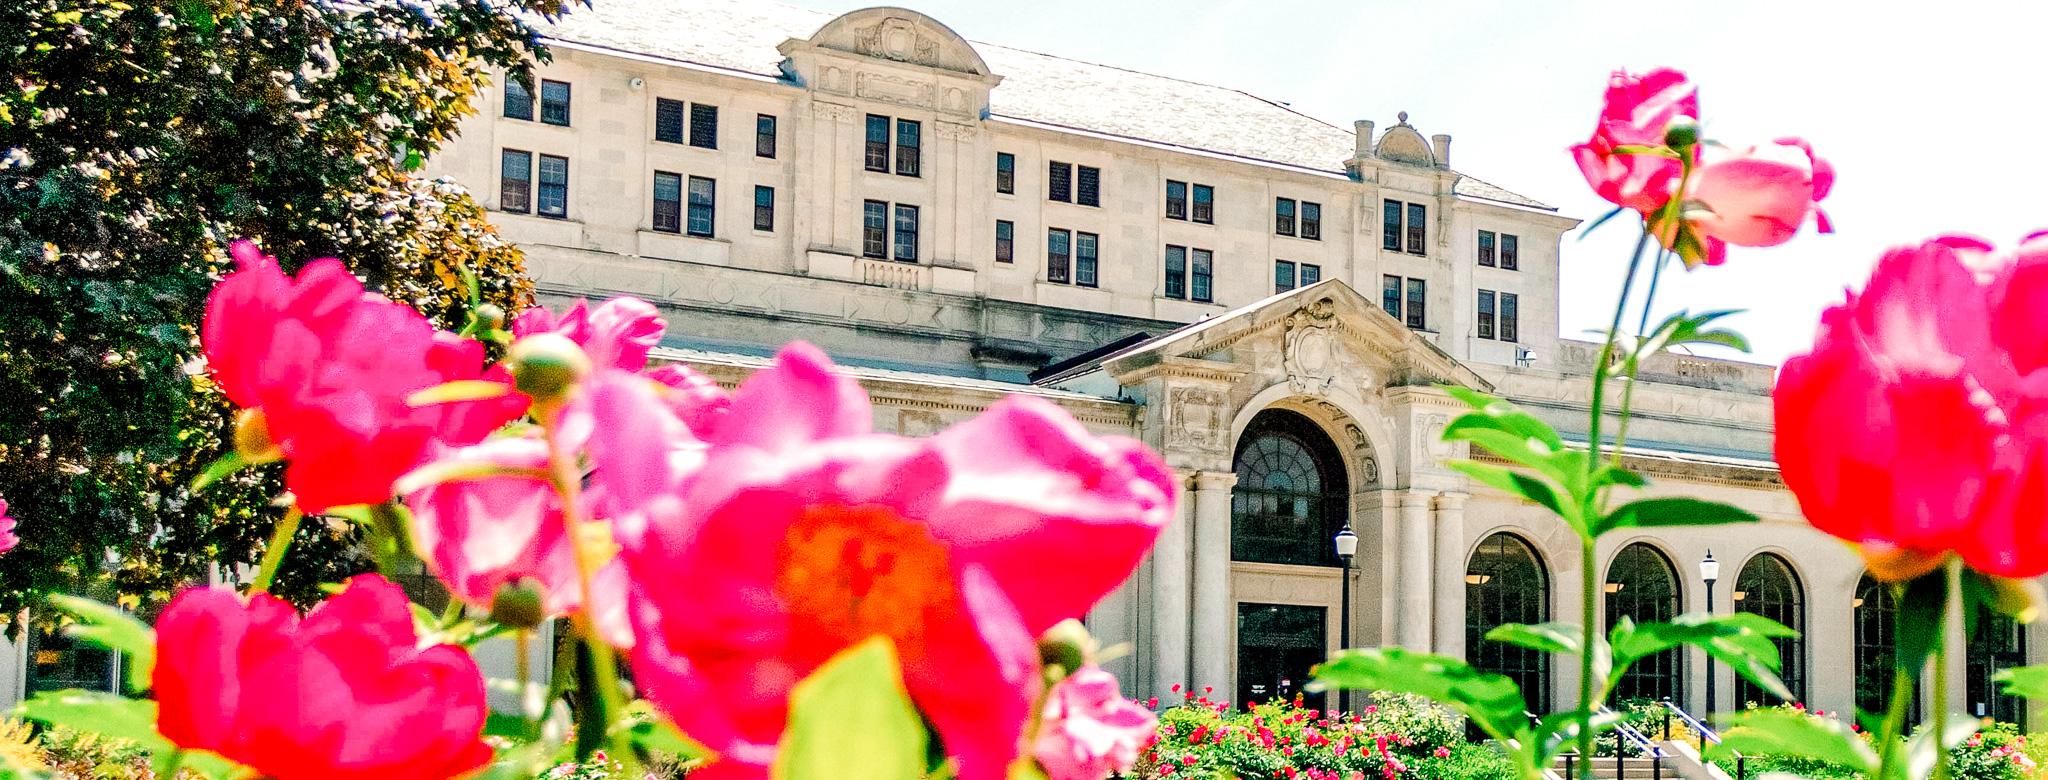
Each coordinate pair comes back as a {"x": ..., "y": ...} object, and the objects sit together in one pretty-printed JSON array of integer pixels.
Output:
[
  {"x": 1599, "y": 405},
  {"x": 1890, "y": 752},
  {"x": 609, "y": 699},
  {"x": 273, "y": 553},
  {"x": 389, "y": 546},
  {"x": 1588, "y": 571},
  {"x": 1628, "y": 394},
  {"x": 1953, "y": 571}
]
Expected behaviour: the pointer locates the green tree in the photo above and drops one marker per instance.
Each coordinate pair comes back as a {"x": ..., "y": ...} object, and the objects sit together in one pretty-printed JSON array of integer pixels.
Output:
[{"x": 137, "y": 139}]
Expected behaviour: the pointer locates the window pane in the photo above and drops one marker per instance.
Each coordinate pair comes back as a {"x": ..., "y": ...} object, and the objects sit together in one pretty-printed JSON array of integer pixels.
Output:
[
  {"x": 668, "y": 120},
  {"x": 1006, "y": 172},
  {"x": 1310, "y": 274},
  {"x": 518, "y": 100},
  {"x": 906, "y": 233},
  {"x": 1059, "y": 182},
  {"x": 1508, "y": 324},
  {"x": 1486, "y": 247},
  {"x": 909, "y": 140},
  {"x": 1508, "y": 252},
  {"x": 764, "y": 135},
  {"x": 1176, "y": 271},
  {"x": 1486, "y": 314},
  {"x": 1390, "y": 225},
  {"x": 878, "y": 143},
  {"x": 764, "y": 207},
  {"x": 1006, "y": 241},
  {"x": 703, "y": 202},
  {"x": 1205, "y": 204},
  {"x": 1089, "y": 188},
  {"x": 1198, "y": 282},
  {"x": 1283, "y": 276},
  {"x": 554, "y": 186},
  {"x": 1418, "y": 294},
  {"x": 1390, "y": 296},
  {"x": 1084, "y": 259},
  {"x": 515, "y": 181},
  {"x": 1176, "y": 200},
  {"x": 1056, "y": 255},
  {"x": 554, "y": 102},
  {"x": 668, "y": 202},
  {"x": 703, "y": 126},
  {"x": 1283, "y": 216},
  {"x": 1417, "y": 217},
  {"x": 1312, "y": 220},
  {"x": 874, "y": 229}
]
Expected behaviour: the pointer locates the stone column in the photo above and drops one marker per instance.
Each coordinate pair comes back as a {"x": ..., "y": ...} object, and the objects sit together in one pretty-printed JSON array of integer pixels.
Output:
[
  {"x": 1170, "y": 597},
  {"x": 1214, "y": 621},
  {"x": 1450, "y": 574},
  {"x": 1412, "y": 627}
]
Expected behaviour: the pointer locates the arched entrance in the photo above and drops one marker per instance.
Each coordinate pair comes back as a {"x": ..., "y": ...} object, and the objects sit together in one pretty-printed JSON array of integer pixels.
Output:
[
  {"x": 1642, "y": 586},
  {"x": 1505, "y": 582},
  {"x": 1291, "y": 498},
  {"x": 1768, "y": 587}
]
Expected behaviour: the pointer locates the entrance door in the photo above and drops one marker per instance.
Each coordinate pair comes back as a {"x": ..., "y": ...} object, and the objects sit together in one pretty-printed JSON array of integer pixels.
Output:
[{"x": 1277, "y": 645}]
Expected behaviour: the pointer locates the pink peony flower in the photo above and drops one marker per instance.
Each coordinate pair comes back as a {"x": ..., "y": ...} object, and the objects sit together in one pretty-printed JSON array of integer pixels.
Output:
[
  {"x": 326, "y": 369},
  {"x": 7, "y": 538},
  {"x": 1637, "y": 111},
  {"x": 1915, "y": 426},
  {"x": 803, "y": 534},
  {"x": 344, "y": 693},
  {"x": 1089, "y": 730},
  {"x": 617, "y": 334},
  {"x": 1755, "y": 197}
]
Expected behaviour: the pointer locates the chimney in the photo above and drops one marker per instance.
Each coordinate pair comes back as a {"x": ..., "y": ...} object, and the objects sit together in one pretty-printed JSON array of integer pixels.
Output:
[
  {"x": 1442, "y": 143},
  {"x": 1363, "y": 128}
]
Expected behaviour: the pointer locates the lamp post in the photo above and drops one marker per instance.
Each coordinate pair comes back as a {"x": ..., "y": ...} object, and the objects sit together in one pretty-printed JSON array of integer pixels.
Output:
[
  {"x": 1347, "y": 546},
  {"x": 1710, "y": 570}
]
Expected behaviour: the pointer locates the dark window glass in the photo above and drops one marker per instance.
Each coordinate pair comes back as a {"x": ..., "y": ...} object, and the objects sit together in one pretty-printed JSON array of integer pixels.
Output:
[
  {"x": 1176, "y": 271},
  {"x": 1877, "y": 636},
  {"x": 554, "y": 102},
  {"x": 668, "y": 120},
  {"x": 1205, "y": 205},
  {"x": 1390, "y": 225},
  {"x": 518, "y": 100},
  {"x": 1006, "y": 241},
  {"x": 515, "y": 181},
  {"x": 1088, "y": 186},
  {"x": 1312, "y": 221},
  {"x": 2000, "y": 643},
  {"x": 554, "y": 186},
  {"x": 1768, "y": 587},
  {"x": 909, "y": 148},
  {"x": 1283, "y": 216},
  {"x": 1505, "y": 582},
  {"x": 874, "y": 229},
  {"x": 1059, "y": 182},
  {"x": 764, "y": 135},
  {"x": 1508, "y": 252},
  {"x": 1176, "y": 200},
  {"x": 703, "y": 126},
  {"x": 1291, "y": 495},
  {"x": 1084, "y": 259},
  {"x": 1390, "y": 295},
  {"x": 1418, "y": 294},
  {"x": 1417, "y": 218},
  {"x": 1056, "y": 255},
  {"x": 1200, "y": 271},
  {"x": 57, "y": 661},
  {"x": 668, "y": 202},
  {"x": 1508, "y": 326},
  {"x": 906, "y": 233},
  {"x": 1642, "y": 586},
  {"x": 1283, "y": 276},
  {"x": 1310, "y": 274},
  {"x": 703, "y": 205},
  {"x": 1486, "y": 248},
  {"x": 1278, "y": 647},
  {"x": 764, "y": 207},
  {"x": 1006, "y": 172},
  {"x": 878, "y": 143},
  {"x": 1486, "y": 314}
]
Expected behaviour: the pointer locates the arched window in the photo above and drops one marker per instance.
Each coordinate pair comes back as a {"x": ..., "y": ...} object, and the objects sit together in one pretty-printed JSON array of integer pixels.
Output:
[
  {"x": 1642, "y": 586},
  {"x": 1999, "y": 644},
  {"x": 1768, "y": 587},
  {"x": 1877, "y": 632},
  {"x": 1505, "y": 583},
  {"x": 1291, "y": 497}
]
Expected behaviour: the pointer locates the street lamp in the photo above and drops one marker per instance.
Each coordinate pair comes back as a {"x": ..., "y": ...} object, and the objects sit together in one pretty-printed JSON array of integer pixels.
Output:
[
  {"x": 1347, "y": 546},
  {"x": 1710, "y": 570}
]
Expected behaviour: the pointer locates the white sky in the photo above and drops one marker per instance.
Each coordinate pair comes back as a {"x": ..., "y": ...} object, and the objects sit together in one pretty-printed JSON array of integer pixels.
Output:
[{"x": 1933, "y": 113}]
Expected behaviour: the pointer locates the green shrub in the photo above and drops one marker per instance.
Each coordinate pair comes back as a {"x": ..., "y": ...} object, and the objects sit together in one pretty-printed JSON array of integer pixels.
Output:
[{"x": 1393, "y": 736}]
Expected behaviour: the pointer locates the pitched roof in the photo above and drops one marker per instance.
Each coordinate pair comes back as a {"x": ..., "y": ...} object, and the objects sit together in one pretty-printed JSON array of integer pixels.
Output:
[{"x": 742, "y": 36}]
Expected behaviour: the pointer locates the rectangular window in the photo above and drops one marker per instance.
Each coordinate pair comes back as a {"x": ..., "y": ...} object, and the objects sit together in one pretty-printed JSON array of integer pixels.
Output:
[
  {"x": 1204, "y": 210},
  {"x": 906, "y": 233},
  {"x": 878, "y": 143},
  {"x": 1084, "y": 259},
  {"x": 1390, "y": 225},
  {"x": 1418, "y": 295},
  {"x": 1088, "y": 186},
  {"x": 1486, "y": 248},
  {"x": 1486, "y": 314},
  {"x": 1283, "y": 216},
  {"x": 554, "y": 102},
  {"x": 515, "y": 181},
  {"x": 1056, "y": 255},
  {"x": 1176, "y": 199},
  {"x": 554, "y": 186},
  {"x": 703, "y": 126},
  {"x": 703, "y": 206},
  {"x": 1283, "y": 276},
  {"x": 764, "y": 207},
  {"x": 874, "y": 229},
  {"x": 1059, "y": 182},
  {"x": 764, "y": 136},
  {"x": 1006, "y": 173},
  {"x": 518, "y": 100},
  {"x": 909, "y": 148},
  {"x": 1006, "y": 241},
  {"x": 668, "y": 120},
  {"x": 1390, "y": 295},
  {"x": 1508, "y": 252},
  {"x": 1200, "y": 271},
  {"x": 1310, "y": 274},
  {"x": 668, "y": 202},
  {"x": 1417, "y": 217},
  {"x": 1176, "y": 271},
  {"x": 1508, "y": 324},
  {"x": 1312, "y": 221}
]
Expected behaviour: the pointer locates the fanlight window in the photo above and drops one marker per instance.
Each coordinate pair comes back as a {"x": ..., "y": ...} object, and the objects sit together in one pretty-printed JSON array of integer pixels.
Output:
[
  {"x": 1505, "y": 583},
  {"x": 1642, "y": 586},
  {"x": 1291, "y": 496},
  {"x": 1768, "y": 587}
]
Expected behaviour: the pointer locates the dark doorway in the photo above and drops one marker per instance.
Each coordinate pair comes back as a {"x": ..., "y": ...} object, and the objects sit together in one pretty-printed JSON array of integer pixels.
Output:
[
  {"x": 1877, "y": 635},
  {"x": 2000, "y": 643},
  {"x": 1277, "y": 645},
  {"x": 1768, "y": 587}
]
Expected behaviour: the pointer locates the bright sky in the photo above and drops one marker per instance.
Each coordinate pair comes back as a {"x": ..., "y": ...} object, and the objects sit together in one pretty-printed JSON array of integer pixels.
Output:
[{"x": 1932, "y": 114}]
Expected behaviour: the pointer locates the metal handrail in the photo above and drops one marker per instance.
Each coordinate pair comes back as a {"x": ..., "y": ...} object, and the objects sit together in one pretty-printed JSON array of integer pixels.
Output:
[
  {"x": 1642, "y": 743},
  {"x": 1707, "y": 734}
]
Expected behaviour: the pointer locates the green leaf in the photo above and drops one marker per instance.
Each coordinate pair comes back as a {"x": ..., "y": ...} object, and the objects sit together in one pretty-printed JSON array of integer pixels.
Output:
[
  {"x": 1742, "y": 640},
  {"x": 1557, "y": 638},
  {"x": 1497, "y": 414},
  {"x": 1920, "y": 621},
  {"x": 1512, "y": 447},
  {"x": 113, "y": 716},
  {"x": 218, "y": 470},
  {"x": 852, "y": 720},
  {"x": 2026, "y": 682},
  {"x": 1517, "y": 483},
  {"x": 459, "y": 390},
  {"x": 1782, "y": 733},
  {"x": 651, "y": 731},
  {"x": 110, "y": 627},
  {"x": 1601, "y": 221},
  {"x": 1920, "y": 750},
  {"x": 1492, "y": 701},
  {"x": 1672, "y": 511}
]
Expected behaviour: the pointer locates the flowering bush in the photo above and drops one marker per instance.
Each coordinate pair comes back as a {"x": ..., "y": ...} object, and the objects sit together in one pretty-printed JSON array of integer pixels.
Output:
[
  {"x": 1395, "y": 736},
  {"x": 1997, "y": 751}
]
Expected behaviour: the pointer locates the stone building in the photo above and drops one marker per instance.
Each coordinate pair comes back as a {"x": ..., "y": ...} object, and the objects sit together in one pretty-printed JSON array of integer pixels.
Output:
[{"x": 1269, "y": 300}]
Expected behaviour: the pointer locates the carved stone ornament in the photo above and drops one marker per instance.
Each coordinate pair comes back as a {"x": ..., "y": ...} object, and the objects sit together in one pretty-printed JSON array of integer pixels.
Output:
[
  {"x": 1194, "y": 418},
  {"x": 1310, "y": 356},
  {"x": 897, "y": 39}
]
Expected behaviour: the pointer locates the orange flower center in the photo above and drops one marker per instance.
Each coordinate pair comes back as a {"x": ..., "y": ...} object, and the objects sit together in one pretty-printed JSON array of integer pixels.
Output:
[{"x": 851, "y": 572}]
